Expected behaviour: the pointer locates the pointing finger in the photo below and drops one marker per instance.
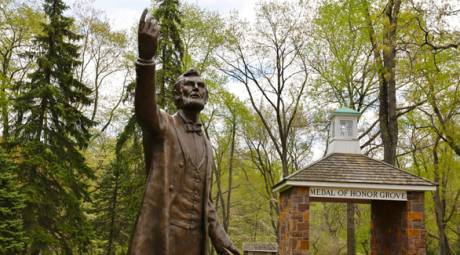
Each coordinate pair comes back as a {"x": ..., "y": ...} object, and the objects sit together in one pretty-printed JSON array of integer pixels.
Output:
[{"x": 142, "y": 20}]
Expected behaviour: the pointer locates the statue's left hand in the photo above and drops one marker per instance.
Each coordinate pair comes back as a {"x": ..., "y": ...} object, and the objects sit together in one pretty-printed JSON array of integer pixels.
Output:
[{"x": 148, "y": 34}]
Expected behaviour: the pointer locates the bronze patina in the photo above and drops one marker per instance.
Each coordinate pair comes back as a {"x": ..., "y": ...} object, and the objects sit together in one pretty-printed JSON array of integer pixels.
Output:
[{"x": 176, "y": 215}]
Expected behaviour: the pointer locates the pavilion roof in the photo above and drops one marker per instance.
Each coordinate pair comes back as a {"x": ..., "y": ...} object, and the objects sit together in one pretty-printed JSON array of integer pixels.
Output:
[
  {"x": 260, "y": 247},
  {"x": 353, "y": 170}
]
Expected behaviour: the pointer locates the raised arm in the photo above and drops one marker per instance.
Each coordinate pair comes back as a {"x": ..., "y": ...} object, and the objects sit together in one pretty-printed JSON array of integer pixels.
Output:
[{"x": 144, "y": 100}]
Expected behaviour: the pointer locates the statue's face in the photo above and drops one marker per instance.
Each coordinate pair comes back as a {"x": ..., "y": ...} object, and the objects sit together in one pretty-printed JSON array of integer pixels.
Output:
[{"x": 194, "y": 94}]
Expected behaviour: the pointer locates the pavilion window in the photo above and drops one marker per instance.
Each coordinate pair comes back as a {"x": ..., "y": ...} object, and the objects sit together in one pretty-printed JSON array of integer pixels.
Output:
[{"x": 346, "y": 128}]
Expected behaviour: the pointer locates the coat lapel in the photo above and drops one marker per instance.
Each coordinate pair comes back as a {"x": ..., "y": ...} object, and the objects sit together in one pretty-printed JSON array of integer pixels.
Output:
[{"x": 178, "y": 129}]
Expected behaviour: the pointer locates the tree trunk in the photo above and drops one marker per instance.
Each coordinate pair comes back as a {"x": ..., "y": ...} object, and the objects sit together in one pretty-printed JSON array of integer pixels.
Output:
[
  {"x": 96, "y": 96},
  {"x": 458, "y": 238},
  {"x": 230, "y": 175},
  {"x": 351, "y": 248},
  {"x": 439, "y": 203},
  {"x": 388, "y": 116},
  {"x": 4, "y": 112},
  {"x": 4, "y": 83},
  {"x": 443, "y": 241},
  {"x": 113, "y": 211},
  {"x": 385, "y": 61}
]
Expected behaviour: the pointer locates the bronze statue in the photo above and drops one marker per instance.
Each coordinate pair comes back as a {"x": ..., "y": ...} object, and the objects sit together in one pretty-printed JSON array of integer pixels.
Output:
[{"x": 176, "y": 215}]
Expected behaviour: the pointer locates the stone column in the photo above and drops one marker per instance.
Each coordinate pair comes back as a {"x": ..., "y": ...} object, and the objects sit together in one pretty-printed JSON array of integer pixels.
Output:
[
  {"x": 398, "y": 228},
  {"x": 294, "y": 221},
  {"x": 416, "y": 233}
]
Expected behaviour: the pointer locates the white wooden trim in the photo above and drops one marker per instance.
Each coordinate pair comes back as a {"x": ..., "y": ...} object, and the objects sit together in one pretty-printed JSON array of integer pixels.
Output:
[
  {"x": 359, "y": 194},
  {"x": 353, "y": 185}
]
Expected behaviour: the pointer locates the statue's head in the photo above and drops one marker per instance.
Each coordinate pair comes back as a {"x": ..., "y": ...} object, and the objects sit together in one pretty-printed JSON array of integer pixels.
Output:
[{"x": 190, "y": 91}]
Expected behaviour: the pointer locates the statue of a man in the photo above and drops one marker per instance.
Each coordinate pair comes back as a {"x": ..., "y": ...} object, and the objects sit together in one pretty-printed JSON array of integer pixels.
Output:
[{"x": 176, "y": 215}]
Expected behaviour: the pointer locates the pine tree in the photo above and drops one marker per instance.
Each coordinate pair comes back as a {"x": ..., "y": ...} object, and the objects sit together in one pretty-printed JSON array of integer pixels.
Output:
[
  {"x": 51, "y": 134},
  {"x": 119, "y": 191},
  {"x": 171, "y": 50},
  {"x": 12, "y": 237}
]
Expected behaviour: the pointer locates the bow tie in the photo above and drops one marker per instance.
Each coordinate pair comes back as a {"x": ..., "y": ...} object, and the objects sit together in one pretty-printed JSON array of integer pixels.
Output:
[{"x": 193, "y": 127}]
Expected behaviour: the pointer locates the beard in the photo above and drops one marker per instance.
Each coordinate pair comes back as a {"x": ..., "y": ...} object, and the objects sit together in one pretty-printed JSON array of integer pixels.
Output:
[{"x": 191, "y": 104}]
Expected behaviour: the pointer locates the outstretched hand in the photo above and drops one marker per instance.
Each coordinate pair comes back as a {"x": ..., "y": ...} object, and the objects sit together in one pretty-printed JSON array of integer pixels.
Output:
[{"x": 148, "y": 34}]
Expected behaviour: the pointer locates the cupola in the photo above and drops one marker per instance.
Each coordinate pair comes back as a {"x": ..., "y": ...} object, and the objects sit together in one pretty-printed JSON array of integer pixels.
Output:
[{"x": 344, "y": 132}]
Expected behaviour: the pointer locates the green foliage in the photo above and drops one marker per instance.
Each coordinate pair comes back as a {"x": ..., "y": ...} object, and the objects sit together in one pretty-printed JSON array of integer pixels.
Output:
[
  {"x": 170, "y": 50},
  {"x": 251, "y": 217},
  {"x": 12, "y": 235},
  {"x": 119, "y": 192},
  {"x": 250, "y": 213},
  {"x": 442, "y": 171},
  {"x": 57, "y": 195},
  {"x": 341, "y": 55},
  {"x": 18, "y": 24},
  {"x": 51, "y": 133},
  {"x": 328, "y": 228},
  {"x": 202, "y": 33}
]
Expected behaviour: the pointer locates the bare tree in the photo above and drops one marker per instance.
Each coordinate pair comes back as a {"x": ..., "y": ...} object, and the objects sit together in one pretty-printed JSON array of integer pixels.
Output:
[
  {"x": 270, "y": 61},
  {"x": 261, "y": 154},
  {"x": 224, "y": 154},
  {"x": 103, "y": 55},
  {"x": 18, "y": 24}
]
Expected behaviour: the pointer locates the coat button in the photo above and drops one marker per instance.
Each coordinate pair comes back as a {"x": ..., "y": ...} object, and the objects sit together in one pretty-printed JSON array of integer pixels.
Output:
[
  {"x": 181, "y": 164},
  {"x": 171, "y": 187}
]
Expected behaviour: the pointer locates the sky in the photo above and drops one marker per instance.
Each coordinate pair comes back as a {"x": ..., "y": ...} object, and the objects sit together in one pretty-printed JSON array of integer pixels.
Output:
[{"x": 124, "y": 13}]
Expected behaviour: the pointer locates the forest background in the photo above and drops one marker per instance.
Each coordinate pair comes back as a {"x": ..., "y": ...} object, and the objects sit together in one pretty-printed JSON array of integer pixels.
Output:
[{"x": 71, "y": 160}]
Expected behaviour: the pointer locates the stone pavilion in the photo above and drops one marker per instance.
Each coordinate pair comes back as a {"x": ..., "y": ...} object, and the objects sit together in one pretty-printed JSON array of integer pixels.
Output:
[{"x": 396, "y": 197}]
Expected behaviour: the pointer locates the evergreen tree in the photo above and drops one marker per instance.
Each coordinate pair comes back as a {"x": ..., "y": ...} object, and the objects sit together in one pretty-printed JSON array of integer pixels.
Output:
[
  {"x": 12, "y": 238},
  {"x": 51, "y": 134},
  {"x": 119, "y": 191},
  {"x": 171, "y": 50}
]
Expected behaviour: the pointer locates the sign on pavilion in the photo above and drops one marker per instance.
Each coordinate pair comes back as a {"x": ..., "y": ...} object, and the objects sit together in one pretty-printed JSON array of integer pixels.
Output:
[{"x": 345, "y": 175}]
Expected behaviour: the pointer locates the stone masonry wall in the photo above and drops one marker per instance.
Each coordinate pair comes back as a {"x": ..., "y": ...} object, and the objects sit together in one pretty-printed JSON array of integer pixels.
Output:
[
  {"x": 398, "y": 227},
  {"x": 294, "y": 221},
  {"x": 416, "y": 233}
]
